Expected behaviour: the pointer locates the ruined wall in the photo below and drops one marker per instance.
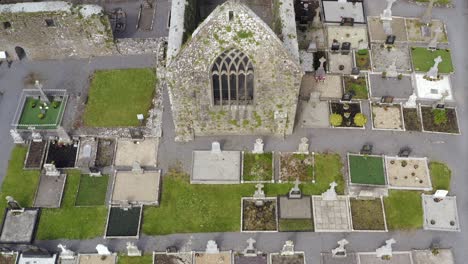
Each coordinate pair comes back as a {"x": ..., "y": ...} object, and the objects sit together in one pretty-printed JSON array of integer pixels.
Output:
[
  {"x": 276, "y": 87},
  {"x": 73, "y": 31}
]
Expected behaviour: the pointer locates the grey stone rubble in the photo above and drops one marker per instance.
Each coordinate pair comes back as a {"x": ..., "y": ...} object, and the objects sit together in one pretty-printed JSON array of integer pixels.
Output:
[
  {"x": 134, "y": 46},
  {"x": 385, "y": 250},
  {"x": 288, "y": 248},
  {"x": 340, "y": 251},
  {"x": 102, "y": 250},
  {"x": 303, "y": 146},
  {"x": 65, "y": 253}
]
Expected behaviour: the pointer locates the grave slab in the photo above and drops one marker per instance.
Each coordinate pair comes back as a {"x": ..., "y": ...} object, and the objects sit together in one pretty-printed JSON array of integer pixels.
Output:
[
  {"x": 445, "y": 256},
  {"x": 295, "y": 208},
  {"x": 216, "y": 168},
  {"x": 414, "y": 31},
  {"x": 19, "y": 227},
  {"x": 297, "y": 258},
  {"x": 433, "y": 90},
  {"x": 314, "y": 114},
  {"x": 366, "y": 169},
  {"x": 172, "y": 258},
  {"x": 35, "y": 155},
  {"x": 408, "y": 173},
  {"x": 123, "y": 222},
  {"x": 387, "y": 117},
  {"x": 397, "y": 258},
  {"x": 355, "y": 35},
  {"x": 96, "y": 259},
  {"x": 440, "y": 215},
  {"x": 333, "y": 11},
  {"x": 141, "y": 188},
  {"x": 401, "y": 89},
  {"x": 328, "y": 258},
  {"x": 87, "y": 153},
  {"x": 62, "y": 155},
  {"x": 376, "y": 30},
  {"x": 382, "y": 58},
  {"x": 336, "y": 60},
  {"x": 37, "y": 259},
  {"x": 259, "y": 218},
  {"x": 219, "y": 258},
  {"x": 331, "y": 216},
  {"x": 144, "y": 152},
  {"x": 240, "y": 259},
  {"x": 50, "y": 190},
  {"x": 105, "y": 152}
]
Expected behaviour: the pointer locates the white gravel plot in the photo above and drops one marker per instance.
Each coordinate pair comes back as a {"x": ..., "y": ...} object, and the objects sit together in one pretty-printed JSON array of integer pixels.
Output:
[
  {"x": 387, "y": 117},
  {"x": 408, "y": 173},
  {"x": 353, "y": 35}
]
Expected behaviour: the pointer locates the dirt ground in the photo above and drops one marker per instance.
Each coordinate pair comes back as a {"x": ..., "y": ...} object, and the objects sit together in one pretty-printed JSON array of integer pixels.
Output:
[
  {"x": 414, "y": 174},
  {"x": 414, "y": 31},
  {"x": 144, "y": 152},
  {"x": 387, "y": 117}
]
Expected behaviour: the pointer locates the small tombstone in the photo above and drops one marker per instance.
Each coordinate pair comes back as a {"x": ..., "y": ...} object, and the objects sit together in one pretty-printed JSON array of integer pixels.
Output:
[
  {"x": 132, "y": 250},
  {"x": 432, "y": 45},
  {"x": 288, "y": 248},
  {"x": 258, "y": 146},
  {"x": 411, "y": 103},
  {"x": 392, "y": 69},
  {"x": 295, "y": 192},
  {"x": 63, "y": 135},
  {"x": 259, "y": 195},
  {"x": 316, "y": 19},
  {"x": 355, "y": 72},
  {"x": 303, "y": 146},
  {"x": 136, "y": 168},
  {"x": 385, "y": 250},
  {"x": 440, "y": 194},
  {"x": 140, "y": 118},
  {"x": 13, "y": 204},
  {"x": 390, "y": 40},
  {"x": 65, "y": 253},
  {"x": 250, "y": 250},
  {"x": 17, "y": 138},
  {"x": 103, "y": 250},
  {"x": 51, "y": 170},
  {"x": 125, "y": 205},
  {"x": 215, "y": 147},
  {"x": 36, "y": 137},
  {"x": 387, "y": 13},
  {"x": 345, "y": 48},
  {"x": 347, "y": 96},
  {"x": 433, "y": 72},
  {"x": 212, "y": 247},
  {"x": 330, "y": 194},
  {"x": 340, "y": 251},
  {"x": 335, "y": 46}
]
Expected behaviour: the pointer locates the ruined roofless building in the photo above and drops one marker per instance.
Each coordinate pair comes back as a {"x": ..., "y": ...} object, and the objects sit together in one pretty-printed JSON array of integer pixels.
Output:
[
  {"x": 233, "y": 77},
  {"x": 54, "y": 30}
]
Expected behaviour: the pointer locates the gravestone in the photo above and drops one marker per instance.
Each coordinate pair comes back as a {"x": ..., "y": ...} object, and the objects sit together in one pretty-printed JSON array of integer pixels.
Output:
[
  {"x": 136, "y": 168},
  {"x": 392, "y": 70},
  {"x": 51, "y": 170},
  {"x": 385, "y": 250},
  {"x": 411, "y": 103},
  {"x": 250, "y": 250},
  {"x": 36, "y": 136},
  {"x": 330, "y": 194},
  {"x": 295, "y": 192},
  {"x": 320, "y": 72},
  {"x": 390, "y": 40},
  {"x": 387, "y": 27},
  {"x": 440, "y": 104},
  {"x": 65, "y": 253},
  {"x": 426, "y": 18},
  {"x": 303, "y": 146},
  {"x": 433, "y": 43},
  {"x": 103, "y": 250},
  {"x": 440, "y": 194},
  {"x": 387, "y": 13},
  {"x": 132, "y": 250},
  {"x": 288, "y": 248},
  {"x": 13, "y": 204},
  {"x": 259, "y": 195},
  {"x": 316, "y": 20},
  {"x": 433, "y": 72},
  {"x": 258, "y": 146},
  {"x": 340, "y": 251},
  {"x": 215, "y": 147},
  {"x": 63, "y": 135},
  {"x": 17, "y": 138},
  {"x": 212, "y": 247},
  {"x": 44, "y": 97}
]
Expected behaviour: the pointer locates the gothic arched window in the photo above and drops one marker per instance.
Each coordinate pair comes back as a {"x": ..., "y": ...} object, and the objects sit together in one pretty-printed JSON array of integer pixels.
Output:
[{"x": 232, "y": 78}]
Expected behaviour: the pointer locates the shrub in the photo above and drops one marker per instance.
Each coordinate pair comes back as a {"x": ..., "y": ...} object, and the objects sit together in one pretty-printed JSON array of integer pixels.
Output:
[
  {"x": 360, "y": 119},
  {"x": 404, "y": 163},
  {"x": 55, "y": 104},
  {"x": 400, "y": 76},
  {"x": 384, "y": 74},
  {"x": 336, "y": 120},
  {"x": 440, "y": 116},
  {"x": 33, "y": 103},
  {"x": 41, "y": 116},
  {"x": 362, "y": 52}
]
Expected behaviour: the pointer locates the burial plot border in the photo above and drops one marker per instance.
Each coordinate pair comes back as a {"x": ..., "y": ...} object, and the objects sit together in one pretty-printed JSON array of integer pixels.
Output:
[
  {"x": 151, "y": 203},
  {"x": 44, "y": 151},
  {"x": 385, "y": 185},
  {"x": 274, "y": 199},
  {"x": 426, "y": 168},
  {"x": 369, "y": 230},
  {"x": 341, "y": 102},
  {"x": 402, "y": 118},
  {"x": 273, "y": 154},
  {"x": 192, "y": 259},
  {"x": 76, "y": 154},
  {"x": 437, "y": 132},
  {"x": 140, "y": 218},
  {"x": 61, "y": 192},
  {"x": 348, "y": 212},
  {"x": 279, "y": 254},
  {"x": 293, "y": 153},
  {"x": 34, "y": 231}
]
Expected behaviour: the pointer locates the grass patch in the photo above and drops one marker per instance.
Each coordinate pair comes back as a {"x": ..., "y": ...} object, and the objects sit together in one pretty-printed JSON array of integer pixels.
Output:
[
  {"x": 145, "y": 259},
  {"x": 70, "y": 222},
  {"x": 367, "y": 214},
  {"x": 366, "y": 170},
  {"x": 30, "y": 114},
  {"x": 431, "y": 123},
  {"x": 258, "y": 167},
  {"x": 403, "y": 210},
  {"x": 363, "y": 59},
  {"x": 423, "y": 59},
  {"x": 440, "y": 2},
  {"x": 291, "y": 225},
  {"x": 440, "y": 176},
  {"x": 92, "y": 190},
  {"x": 356, "y": 86},
  {"x": 117, "y": 96},
  {"x": 296, "y": 166}
]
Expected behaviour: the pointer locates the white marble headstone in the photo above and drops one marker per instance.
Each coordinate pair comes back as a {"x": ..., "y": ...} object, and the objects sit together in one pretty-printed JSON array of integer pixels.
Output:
[
  {"x": 385, "y": 250},
  {"x": 212, "y": 247},
  {"x": 258, "y": 146},
  {"x": 215, "y": 147},
  {"x": 102, "y": 250}
]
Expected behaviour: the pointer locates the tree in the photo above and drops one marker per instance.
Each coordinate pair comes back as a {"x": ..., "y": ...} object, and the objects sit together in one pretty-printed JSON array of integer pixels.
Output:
[
  {"x": 360, "y": 119},
  {"x": 336, "y": 120}
]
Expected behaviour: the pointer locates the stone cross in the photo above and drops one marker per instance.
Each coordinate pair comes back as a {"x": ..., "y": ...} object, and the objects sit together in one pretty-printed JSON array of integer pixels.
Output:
[
  {"x": 65, "y": 253},
  {"x": 103, "y": 250},
  {"x": 330, "y": 194},
  {"x": 132, "y": 250},
  {"x": 392, "y": 69},
  {"x": 340, "y": 251},
  {"x": 433, "y": 43},
  {"x": 320, "y": 72},
  {"x": 212, "y": 247},
  {"x": 387, "y": 13},
  {"x": 136, "y": 168},
  {"x": 385, "y": 250},
  {"x": 295, "y": 192},
  {"x": 411, "y": 103},
  {"x": 426, "y": 18},
  {"x": 250, "y": 250},
  {"x": 303, "y": 146},
  {"x": 316, "y": 20},
  {"x": 215, "y": 147},
  {"x": 51, "y": 170},
  {"x": 258, "y": 146},
  {"x": 434, "y": 70},
  {"x": 63, "y": 135},
  {"x": 44, "y": 97},
  {"x": 36, "y": 137},
  {"x": 17, "y": 138},
  {"x": 288, "y": 248},
  {"x": 259, "y": 195},
  {"x": 387, "y": 27},
  {"x": 13, "y": 204}
]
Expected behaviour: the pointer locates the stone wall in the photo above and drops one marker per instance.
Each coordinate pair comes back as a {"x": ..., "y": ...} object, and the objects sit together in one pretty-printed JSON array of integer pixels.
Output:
[{"x": 276, "y": 85}]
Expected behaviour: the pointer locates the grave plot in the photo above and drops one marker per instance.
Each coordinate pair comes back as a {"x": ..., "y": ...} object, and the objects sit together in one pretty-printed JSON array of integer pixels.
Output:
[
  {"x": 376, "y": 29},
  {"x": 140, "y": 187},
  {"x": 355, "y": 35},
  {"x": 408, "y": 173},
  {"x": 172, "y": 258},
  {"x": 144, "y": 152},
  {"x": 383, "y": 57},
  {"x": 37, "y": 255},
  {"x": 412, "y": 119},
  {"x": 330, "y": 88},
  {"x": 347, "y": 115},
  {"x": 295, "y": 214},
  {"x": 105, "y": 152},
  {"x": 216, "y": 167},
  {"x": 124, "y": 222},
  {"x": 432, "y": 90},
  {"x": 296, "y": 166},
  {"x": 340, "y": 63},
  {"x": 334, "y": 11},
  {"x": 8, "y": 257},
  {"x": 400, "y": 87},
  {"x": 97, "y": 259},
  {"x": 440, "y": 214},
  {"x": 257, "y": 217},
  {"x": 87, "y": 153},
  {"x": 366, "y": 169},
  {"x": 439, "y": 120},
  {"x": 423, "y": 59},
  {"x": 35, "y": 155},
  {"x": 213, "y": 258},
  {"x": 19, "y": 227},
  {"x": 257, "y": 167},
  {"x": 313, "y": 113},
  {"x": 50, "y": 190},
  {"x": 62, "y": 155},
  {"x": 331, "y": 215},
  {"x": 297, "y": 258},
  {"x": 357, "y": 87},
  {"x": 413, "y": 27},
  {"x": 329, "y": 258},
  {"x": 396, "y": 258},
  {"x": 428, "y": 257},
  {"x": 368, "y": 215},
  {"x": 362, "y": 59},
  {"x": 259, "y": 259},
  {"x": 387, "y": 117},
  {"x": 92, "y": 190}
]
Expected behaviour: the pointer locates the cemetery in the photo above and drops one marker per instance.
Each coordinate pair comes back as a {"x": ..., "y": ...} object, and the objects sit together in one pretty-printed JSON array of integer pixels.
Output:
[
  {"x": 50, "y": 190},
  {"x": 257, "y": 167},
  {"x": 423, "y": 59},
  {"x": 142, "y": 151},
  {"x": 362, "y": 59},
  {"x": 387, "y": 116},
  {"x": 439, "y": 120},
  {"x": 368, "y": 215},
  {"x": 296, "y": 166},
  {"x": 62, "y": 155},
  {"x": 136, "y": 186},
  {"x": 123, "y": 221},
  {"x": 356, "y": 86},
  {"x": 400, "y": 86},
  {"x": 348, "y": 112},
  {"x": 408, "y": 173},
  {"x": 92, "y": 190},
  {"x": 377, "y": 29},
  {"x": 172, "y": 258},
  {"x": 383, "y": 56},
  {"x": 412, "y": 119},
  {"x": 35, "y": 155},
  {"x": 105, "y": 152},
  {"x": 116, "y": 97},
  {"x": 366, "y": 169}
]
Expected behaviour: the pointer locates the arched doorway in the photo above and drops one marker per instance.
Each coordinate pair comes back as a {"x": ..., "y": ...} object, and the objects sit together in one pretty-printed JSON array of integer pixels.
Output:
[{"x": 20, "y": 52}]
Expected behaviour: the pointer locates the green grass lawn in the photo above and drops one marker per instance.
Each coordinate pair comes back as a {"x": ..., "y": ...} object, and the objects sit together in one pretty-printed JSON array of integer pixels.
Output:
[
  {"x": 440, "y": 176},
  {"x": 358, "y": 86},
  {"x": 367, "y": 214},
  {"x": 403, "y": 210},
  {"x": 258, "y": 167},
  {"x": 366, "y": 170},
  {"x": 441, "y": 2},
  {"x": 290, "y": 225},
  {"x": 92, "y": 190},
  {"x": 423, "y": 59},
  {"x": 145, "y": 259},
  {"x": 70, "y": 222},
  {"x": 29, "y": 116},
  {"x": 117, "y": 96}
]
